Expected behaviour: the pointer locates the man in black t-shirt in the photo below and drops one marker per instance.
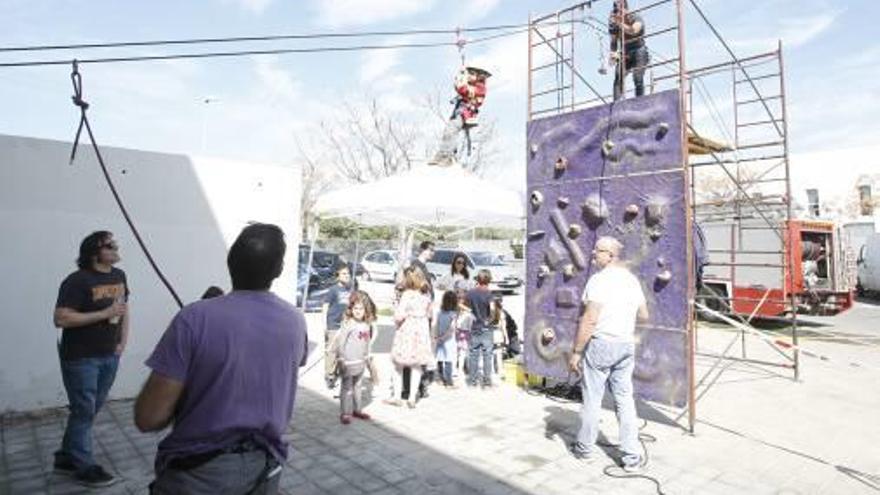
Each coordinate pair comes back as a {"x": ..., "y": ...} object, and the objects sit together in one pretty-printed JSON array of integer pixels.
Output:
[
  {"x": 631, "y": 28},
  {"x": 92, "y": 310}
]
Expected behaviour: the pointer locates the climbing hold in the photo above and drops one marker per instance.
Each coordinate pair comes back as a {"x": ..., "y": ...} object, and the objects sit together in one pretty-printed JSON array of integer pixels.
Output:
[
  {"x": 561, "y": 164},
  {"x": 595, "y": 210},
  {"x": 562, "y": 201},
  {"x": 607, "y": 146},
  {"x": 548, "y": 335},
  {"x": 533, "y": 148},
  {"x": 536, "y": 234},
  {"x": 568, "y": 270},
  {"x": 537, "y": 199},
  {"x": 664, "y": 276},
  {"x": 655, "y": 212},
  {"x": 554, "y": 254},
  {"x": 574, "y": 230},
  {"x": 662, "y": 129},
  {"x": 561, "y": 226},
  {"x": 543, "y": 271},
  {"x": 630, "y": 213},
  {"x": 661, "y": 262},
  {"x": 566, "y": 297}
]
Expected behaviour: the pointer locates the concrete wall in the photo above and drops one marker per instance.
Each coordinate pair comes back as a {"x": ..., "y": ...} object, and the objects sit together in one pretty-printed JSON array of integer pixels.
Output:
[{"x": 188, "y": 211}]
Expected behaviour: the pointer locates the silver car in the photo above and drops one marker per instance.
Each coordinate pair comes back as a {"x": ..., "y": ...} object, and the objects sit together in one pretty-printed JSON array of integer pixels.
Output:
[
  {"x": 380, "y": 265},
  {"x": 504, "y": 278}
]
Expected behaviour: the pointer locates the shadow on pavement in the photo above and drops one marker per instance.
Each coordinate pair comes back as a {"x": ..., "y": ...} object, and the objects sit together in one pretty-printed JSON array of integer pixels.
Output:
[{"x": 325, "y": 457}]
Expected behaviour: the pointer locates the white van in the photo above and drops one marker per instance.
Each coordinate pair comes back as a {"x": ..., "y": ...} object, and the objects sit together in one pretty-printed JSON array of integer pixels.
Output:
[{"x": 869, "y": 265}]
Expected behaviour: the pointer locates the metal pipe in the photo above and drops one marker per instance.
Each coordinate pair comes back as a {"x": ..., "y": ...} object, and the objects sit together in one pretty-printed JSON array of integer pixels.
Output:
[
  {"x": 660, "y": 31},
  {"x": 748, "y": 159},
  {"x": 563, "y": 11},
  {"x": 762, "y": 99},
  {"x": 551, "y": 64},
  {"x": 549, "y": 91},
  {"x": 689, "y": 227},
  {"x": 791, "y": 260},
  {"x": 750, "y": 61},
  {"x": 650, "y": 6},
  {"x": 529, "y": 102}
]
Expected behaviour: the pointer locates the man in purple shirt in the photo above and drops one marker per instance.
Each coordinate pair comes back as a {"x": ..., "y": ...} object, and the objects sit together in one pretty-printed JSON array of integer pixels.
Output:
[{"x": 224, "y": 376}]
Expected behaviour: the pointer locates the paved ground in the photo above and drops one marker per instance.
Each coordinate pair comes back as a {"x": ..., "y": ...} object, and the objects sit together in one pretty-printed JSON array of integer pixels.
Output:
[{"x": 758, "y": 432}]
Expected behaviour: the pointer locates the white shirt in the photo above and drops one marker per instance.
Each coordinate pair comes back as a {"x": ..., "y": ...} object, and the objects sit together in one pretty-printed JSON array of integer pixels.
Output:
[{"x": 620, "y": 294}]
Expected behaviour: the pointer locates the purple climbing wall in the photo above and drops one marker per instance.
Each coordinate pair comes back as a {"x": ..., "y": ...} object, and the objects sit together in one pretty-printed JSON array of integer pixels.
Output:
[{"x": 611, "y": 170}]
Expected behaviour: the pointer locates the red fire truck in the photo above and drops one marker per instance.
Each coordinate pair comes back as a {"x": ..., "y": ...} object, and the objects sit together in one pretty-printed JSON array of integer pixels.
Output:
[{"x": 747, "y": 273}]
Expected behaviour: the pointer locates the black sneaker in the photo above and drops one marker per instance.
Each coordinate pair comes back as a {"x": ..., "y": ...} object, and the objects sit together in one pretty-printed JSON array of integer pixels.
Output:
[
  {"x": 65, "y": 466},
  {"x": 95, "y": 477}
]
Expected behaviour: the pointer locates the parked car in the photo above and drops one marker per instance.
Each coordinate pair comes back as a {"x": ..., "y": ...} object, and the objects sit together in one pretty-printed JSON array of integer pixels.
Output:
[
  {"x": 321, "y": 275},
  {"x": 380, "y": 265},
  {"x": 504, "y": 278},
  {"x": 869, "y": 266}
]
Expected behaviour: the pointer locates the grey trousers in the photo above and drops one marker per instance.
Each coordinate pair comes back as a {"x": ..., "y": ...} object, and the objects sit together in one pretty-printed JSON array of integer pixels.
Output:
[
  {"x": 350, "y": 393},
  {"x": 232, "y": 474},
  {"x": 609, "y": 365}
]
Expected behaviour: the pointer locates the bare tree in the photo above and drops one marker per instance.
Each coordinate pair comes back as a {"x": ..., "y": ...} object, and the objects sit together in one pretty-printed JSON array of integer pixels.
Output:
[
  {"x": 315, "y": 181},
  {"x": 363, "y": 141}
]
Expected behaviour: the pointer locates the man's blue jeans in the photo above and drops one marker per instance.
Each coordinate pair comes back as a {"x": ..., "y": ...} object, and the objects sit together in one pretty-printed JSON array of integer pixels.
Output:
[
  {"x": 610, "y": 364},
  {"x": 87, "y": 382},
  {"x": 480, "y": 344}
]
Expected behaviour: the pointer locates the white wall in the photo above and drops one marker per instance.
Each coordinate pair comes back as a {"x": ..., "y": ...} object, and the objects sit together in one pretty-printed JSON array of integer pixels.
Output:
[{"x": 188, "y": 211}]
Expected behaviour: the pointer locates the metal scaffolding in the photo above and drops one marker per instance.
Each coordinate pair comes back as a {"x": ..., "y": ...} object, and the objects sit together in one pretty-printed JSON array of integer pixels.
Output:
[{"x": 738, "y": 182}]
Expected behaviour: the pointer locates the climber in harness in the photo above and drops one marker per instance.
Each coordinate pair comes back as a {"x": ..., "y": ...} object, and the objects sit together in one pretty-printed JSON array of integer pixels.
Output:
[{"x": 470, "y": 88}]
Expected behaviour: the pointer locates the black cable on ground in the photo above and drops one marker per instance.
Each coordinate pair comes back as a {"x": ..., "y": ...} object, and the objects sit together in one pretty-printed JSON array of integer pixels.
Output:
[
  {"x": 76, "y": 79},
  {"x": 615, "y": 471}
]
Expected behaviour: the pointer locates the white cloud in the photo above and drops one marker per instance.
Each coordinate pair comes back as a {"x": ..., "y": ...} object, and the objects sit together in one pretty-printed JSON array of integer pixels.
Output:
[
  {"x": 275, "y": 80},
  {"x": 339, "y": 13},
  {"x": 469, "y": 11},
  {"x": 793, "y": 31},
  {"x": 254, "y": 6},
  {"x": 377, "y": 63}
]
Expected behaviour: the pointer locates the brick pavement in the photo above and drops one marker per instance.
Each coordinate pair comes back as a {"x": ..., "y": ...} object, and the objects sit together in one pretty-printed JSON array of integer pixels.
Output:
[{"x": 759, "y": 432}]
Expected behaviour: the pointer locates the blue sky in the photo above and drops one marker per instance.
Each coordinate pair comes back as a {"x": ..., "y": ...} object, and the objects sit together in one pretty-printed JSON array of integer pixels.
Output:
[{"x": 261, "y": 103}]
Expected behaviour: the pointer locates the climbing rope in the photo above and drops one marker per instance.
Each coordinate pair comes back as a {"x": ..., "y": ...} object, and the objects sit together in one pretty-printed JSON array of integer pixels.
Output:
[{"x": 76, "y": 80}]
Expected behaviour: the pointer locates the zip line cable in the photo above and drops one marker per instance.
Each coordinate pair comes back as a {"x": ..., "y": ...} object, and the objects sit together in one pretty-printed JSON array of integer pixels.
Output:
[
  {"x": 244, "y": 53},
  {"x": 279, "y": 37}
]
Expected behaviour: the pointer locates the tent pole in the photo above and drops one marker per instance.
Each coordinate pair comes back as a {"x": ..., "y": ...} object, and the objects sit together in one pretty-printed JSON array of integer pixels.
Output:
[
  {"x": 357, "y": 247},
  {"x": 305, "y": 297}
]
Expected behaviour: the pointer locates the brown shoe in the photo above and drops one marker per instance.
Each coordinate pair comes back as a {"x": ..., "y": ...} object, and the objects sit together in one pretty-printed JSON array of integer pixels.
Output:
[{"x": 361, "y": 415}]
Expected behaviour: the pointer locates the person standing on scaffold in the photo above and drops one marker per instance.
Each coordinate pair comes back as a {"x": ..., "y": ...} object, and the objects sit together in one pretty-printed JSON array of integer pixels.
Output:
[
  {"x": 470, "y": 86},
  {"x": 630, "y": 27}
]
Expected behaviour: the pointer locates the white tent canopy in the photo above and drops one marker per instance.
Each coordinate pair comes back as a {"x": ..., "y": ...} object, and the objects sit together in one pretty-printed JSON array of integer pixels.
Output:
[{"x": 427, "y": 195}]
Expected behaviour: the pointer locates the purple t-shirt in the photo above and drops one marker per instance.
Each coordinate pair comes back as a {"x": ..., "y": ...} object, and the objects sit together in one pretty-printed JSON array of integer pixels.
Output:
[{"x": 238, "y": 357}]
